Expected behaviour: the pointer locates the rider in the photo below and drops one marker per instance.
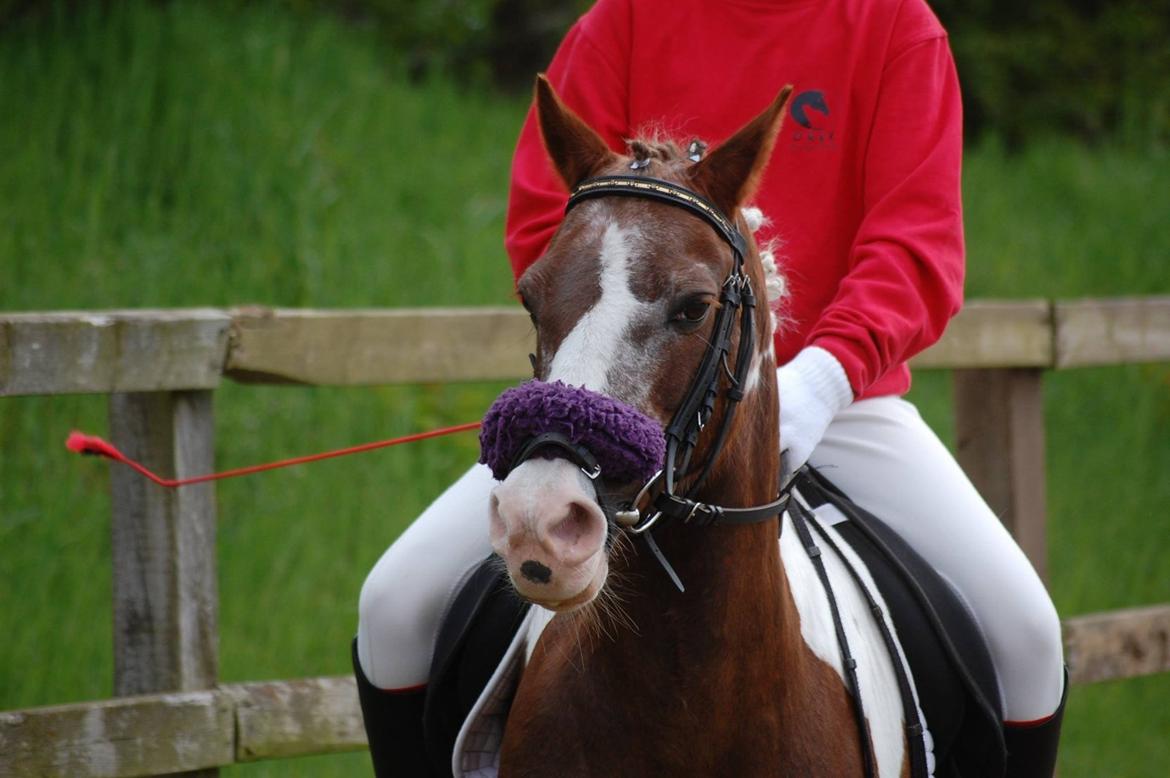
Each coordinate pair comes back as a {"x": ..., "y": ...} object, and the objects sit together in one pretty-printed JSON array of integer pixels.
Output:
[{"x": 864, "y": 194}]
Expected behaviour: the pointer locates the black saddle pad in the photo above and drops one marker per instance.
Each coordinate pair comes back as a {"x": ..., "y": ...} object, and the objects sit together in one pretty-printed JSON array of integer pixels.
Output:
[
  {"x": 475, "y": 634},
  {"x": 952, "y": 667}
]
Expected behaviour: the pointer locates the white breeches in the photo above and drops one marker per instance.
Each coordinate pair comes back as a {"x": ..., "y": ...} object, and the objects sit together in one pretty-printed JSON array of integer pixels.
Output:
[{"x": 877, "y": 451}]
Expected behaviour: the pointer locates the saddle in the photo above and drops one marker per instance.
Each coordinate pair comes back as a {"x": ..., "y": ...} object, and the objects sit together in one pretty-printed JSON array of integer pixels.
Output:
[
  {"x": 956, "y": 683},
  {"x": 477, "y": 655}
]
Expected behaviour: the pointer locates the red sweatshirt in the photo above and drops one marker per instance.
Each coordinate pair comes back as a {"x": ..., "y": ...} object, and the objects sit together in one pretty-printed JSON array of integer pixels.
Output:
[{"x": 863, "y": 185}]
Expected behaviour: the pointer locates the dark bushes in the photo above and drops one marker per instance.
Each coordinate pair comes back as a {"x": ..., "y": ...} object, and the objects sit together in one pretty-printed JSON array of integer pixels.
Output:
[{"x": 1092, "y": 69}]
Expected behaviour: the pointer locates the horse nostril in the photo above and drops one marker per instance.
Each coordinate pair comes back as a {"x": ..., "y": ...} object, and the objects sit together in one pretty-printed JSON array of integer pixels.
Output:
[
  {"x": 536, "y": 572},
  {"x": 574, "y": 526}
]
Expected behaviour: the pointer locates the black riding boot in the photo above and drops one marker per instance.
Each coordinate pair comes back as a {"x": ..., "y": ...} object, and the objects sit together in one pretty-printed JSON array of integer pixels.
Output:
[
  {"x": 1031, "y": 750},
  {"x": 394, "y": 727}
]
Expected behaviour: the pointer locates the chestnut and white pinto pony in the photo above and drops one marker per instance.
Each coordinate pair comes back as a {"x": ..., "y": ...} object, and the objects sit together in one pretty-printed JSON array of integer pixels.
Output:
[{"x": 740, "y": 674}]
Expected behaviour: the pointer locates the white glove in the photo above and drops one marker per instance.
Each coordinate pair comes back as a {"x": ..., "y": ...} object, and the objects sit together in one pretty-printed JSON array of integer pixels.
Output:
[{"x": 813, "y": 388}]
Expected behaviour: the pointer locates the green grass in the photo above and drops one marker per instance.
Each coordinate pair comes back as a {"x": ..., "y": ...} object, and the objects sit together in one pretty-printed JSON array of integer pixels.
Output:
[
  {"x": 217, "y": 154},
  {"x": 1063, "y": 221},
  {"x": 185, "y": 155}
]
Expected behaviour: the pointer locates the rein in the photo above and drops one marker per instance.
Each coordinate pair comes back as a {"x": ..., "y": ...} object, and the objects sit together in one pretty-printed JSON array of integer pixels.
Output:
[{"x": 92, "y": 445}]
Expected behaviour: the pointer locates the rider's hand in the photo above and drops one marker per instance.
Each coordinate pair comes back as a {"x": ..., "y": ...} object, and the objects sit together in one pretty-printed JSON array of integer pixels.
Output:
[{"x": 813, "y": 388}]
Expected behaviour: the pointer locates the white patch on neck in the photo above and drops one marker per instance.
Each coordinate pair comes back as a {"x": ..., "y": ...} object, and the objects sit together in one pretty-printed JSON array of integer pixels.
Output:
[
  {"x": 878, "y": 684},
  {"x": 594, "y": 345},
  {"x": 776, "y": 286},
  {"x": 754, "y": 217},
  {"x": 753, "y": 377}
]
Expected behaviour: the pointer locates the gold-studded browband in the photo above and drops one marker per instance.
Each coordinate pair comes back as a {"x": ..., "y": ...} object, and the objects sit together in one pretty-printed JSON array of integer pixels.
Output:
[{"x": 663, "y": 191}]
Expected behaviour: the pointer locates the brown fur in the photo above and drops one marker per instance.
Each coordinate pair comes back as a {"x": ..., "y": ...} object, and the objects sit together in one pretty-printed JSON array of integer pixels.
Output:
[
  {"x": 575, "y": 148},
  {"x": 716, "y": 681}
]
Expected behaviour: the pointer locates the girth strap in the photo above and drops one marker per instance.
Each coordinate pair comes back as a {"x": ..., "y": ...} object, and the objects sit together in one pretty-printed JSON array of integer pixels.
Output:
[
  {"x": 848, "y": 663},
  {"x": 915, "y": 734}
]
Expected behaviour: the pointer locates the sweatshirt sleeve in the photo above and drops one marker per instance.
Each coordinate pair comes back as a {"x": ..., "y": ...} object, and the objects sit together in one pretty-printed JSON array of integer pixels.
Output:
[
  {"x": 905, "y": 270},
  {"x": 589, "y": 72}
]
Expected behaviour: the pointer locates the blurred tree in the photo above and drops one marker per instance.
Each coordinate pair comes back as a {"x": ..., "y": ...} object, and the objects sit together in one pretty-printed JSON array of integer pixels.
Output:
[
  {"x": 1095, "y": 69},
  {"x": 1091, "y": 68},
  {"x": 504, "y": 41},
  {"x": 525, "y": 34}
]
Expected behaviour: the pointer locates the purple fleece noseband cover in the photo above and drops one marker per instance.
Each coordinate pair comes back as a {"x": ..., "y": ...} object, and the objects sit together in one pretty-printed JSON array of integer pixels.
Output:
[{"x": 628, "y": 445}]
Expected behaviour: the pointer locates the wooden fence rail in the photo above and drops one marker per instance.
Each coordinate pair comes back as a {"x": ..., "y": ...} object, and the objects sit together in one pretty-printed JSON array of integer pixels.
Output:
[
  {"x": 160, "y": 733},
  {"x": 160, "y": 369}
]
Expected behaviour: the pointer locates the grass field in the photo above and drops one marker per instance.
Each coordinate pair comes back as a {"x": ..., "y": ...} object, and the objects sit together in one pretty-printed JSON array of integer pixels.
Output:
[{"x": 216, "y": 154}]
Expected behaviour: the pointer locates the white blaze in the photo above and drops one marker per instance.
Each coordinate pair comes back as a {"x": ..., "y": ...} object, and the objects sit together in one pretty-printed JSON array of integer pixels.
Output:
[{"x": 598, "y": 340}]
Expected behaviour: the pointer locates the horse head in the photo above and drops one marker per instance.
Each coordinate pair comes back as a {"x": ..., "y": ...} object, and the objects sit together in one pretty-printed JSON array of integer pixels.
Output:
[{"x": 626, "y": 303}]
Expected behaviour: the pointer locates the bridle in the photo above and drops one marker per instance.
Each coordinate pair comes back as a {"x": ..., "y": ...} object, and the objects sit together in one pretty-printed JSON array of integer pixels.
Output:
[{"x": 737, "y": 300}]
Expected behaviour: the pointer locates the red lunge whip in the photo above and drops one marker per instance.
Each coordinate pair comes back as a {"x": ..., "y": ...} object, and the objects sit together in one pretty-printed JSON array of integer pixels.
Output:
[{"x": 95, "y": 446}]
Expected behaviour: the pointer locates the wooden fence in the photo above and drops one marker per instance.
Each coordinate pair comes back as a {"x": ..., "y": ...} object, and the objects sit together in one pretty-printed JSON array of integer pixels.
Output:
[{"x": 160, "y": 369}]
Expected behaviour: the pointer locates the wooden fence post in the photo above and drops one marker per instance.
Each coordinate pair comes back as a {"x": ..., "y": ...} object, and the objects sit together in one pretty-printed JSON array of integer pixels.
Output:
[
  {"x": 999, "y": 429},
  {"x": 166, "y": 607}
]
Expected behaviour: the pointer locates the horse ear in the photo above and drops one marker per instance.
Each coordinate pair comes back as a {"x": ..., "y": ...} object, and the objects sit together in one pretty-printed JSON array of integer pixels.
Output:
[
  {"x": 575, "y": 149},
  {"x": 730, "y": 174}
]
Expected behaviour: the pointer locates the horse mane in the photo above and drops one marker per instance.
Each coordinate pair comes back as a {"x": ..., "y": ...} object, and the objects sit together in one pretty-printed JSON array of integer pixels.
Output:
[
  {"x": 654, "y": 147},
  {"x": 777, "y": 284}
]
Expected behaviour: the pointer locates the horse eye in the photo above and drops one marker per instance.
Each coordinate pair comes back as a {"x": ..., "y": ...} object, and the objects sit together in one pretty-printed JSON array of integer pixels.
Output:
[
  {"x": 528, "y": 310},
  {"x": 693, "y": 311}
]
